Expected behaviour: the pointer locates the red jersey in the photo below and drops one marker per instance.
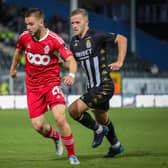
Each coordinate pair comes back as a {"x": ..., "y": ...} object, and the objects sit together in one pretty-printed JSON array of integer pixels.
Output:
[{"x": 41, "y": 63}]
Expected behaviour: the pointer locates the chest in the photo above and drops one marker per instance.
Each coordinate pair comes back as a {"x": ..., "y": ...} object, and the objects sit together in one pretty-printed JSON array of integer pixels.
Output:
[
  {"x": 84, "y": 48},
  {"x": 40, "y": 53},
  {"x": 44, "y": 47}
]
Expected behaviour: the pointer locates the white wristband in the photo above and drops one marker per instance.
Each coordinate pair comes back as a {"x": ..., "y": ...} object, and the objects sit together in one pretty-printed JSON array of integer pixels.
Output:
[{"x": 72, "y": 74}]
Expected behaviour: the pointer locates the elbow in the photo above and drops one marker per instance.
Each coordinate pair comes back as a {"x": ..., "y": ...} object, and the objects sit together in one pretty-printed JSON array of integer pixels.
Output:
[{"x": 121, "y": 39}]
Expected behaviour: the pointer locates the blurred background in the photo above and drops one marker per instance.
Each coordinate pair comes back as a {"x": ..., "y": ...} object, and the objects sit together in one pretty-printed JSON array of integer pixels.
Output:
[{"x": 143, "y": 80}]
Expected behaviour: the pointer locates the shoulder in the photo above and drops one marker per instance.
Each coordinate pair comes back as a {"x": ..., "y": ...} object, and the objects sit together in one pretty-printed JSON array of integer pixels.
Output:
[
  {"x": 96, "y": 34},
  {"x": 103, "y": 36},
  {"x": 74, "y": 38},
  {"x": 55, "y": 37},
  {"x": 100, "y": 33},
  {"x": 24, "y": 35}
]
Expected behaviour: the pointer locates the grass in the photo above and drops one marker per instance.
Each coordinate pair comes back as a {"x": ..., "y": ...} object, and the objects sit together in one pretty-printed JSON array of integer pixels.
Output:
[{"x": 142, "y": 131}]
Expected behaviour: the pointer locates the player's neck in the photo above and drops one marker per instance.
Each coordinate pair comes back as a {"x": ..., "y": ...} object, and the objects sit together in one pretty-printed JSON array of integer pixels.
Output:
[
  {"x": 84, "y": 33},
  {"x": 41, "y": 34}
]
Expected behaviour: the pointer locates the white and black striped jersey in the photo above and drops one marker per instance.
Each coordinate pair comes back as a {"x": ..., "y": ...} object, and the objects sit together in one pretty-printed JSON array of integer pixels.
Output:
[{"x": 94, "y": 53}]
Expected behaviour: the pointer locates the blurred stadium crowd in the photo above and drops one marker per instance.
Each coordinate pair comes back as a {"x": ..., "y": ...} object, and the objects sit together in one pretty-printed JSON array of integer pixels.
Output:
[{"x": 12, "y": 24}]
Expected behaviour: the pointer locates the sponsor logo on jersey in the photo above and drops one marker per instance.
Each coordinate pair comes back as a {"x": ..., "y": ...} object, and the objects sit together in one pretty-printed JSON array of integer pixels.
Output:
[
  {"x": 38, "y": 59},
  {"x": 46, "y": 49},
  {"x": 83, "y": 54}
]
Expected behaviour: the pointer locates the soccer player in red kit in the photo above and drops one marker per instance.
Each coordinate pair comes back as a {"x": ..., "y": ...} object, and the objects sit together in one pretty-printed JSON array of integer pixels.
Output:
[{"x": 42, "y": 47}]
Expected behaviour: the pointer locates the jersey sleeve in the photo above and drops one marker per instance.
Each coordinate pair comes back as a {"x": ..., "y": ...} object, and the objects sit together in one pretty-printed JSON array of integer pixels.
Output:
[
  {"x": 108, "y": 37},
  {"x": 20, "y": 43},
  {"x": 61, "y": 47},
  {"x": 64, "y": 51}
]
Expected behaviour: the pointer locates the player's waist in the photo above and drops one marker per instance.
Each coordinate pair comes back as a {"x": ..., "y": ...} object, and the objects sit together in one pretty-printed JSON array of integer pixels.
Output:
[{"x": 35, "y": 83}]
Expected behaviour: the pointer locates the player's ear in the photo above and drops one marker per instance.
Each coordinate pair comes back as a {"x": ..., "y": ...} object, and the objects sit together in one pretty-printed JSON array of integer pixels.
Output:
[{"x": 41, "y": 21}]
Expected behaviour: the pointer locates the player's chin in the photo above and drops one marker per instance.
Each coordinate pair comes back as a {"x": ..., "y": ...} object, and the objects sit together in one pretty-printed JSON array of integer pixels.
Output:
[
  {"x": 76, "y": 33},
  {"x": 31, "y": 33}
]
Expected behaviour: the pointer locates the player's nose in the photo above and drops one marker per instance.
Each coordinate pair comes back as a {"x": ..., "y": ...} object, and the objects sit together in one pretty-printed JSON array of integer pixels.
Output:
[{"x": 28, "y": 27}]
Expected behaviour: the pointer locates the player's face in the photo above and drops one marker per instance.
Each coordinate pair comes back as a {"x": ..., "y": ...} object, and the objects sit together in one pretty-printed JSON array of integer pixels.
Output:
[
  {"x": 79, "y": 25},
  {"x": 33, "y": 25}
]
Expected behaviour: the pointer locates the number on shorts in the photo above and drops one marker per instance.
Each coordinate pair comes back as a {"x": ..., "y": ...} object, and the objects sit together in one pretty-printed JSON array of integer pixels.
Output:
[{"x": 57, "y": 90}]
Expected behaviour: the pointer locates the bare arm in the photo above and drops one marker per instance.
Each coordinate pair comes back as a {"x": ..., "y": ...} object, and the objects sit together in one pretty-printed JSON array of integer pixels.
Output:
[
  {"x": 122, "y": 49},
  {"x": 63, "y": 63},
  {"x": 16, "y": 58},
  {"x": 71, "y": 64}
]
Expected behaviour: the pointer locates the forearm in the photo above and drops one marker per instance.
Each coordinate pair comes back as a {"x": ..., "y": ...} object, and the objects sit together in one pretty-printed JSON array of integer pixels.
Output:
[
  {"x": 72, "y": 66},
  {"x": 16, "y": 58},
  {"x": 69, "y": 80},
  {"x": 64, "y": 65},
  {"x": 122, "y": 49}
]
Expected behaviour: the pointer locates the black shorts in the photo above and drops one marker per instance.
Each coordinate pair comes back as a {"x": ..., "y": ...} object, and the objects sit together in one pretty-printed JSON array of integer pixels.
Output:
[{"x": 98, "y": 97}]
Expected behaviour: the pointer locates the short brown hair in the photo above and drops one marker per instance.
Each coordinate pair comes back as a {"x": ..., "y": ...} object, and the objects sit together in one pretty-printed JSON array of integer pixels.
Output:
[
  {"x": 35, "y": 12},
  {"x": 78, "y": 11}
]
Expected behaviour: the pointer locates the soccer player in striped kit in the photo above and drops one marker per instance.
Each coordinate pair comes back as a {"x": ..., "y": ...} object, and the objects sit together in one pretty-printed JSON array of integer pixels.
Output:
[{"x": 92, "y": 49}]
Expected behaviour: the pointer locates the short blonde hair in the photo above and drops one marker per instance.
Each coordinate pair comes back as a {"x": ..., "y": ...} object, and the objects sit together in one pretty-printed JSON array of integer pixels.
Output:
[{"x": 81, "y": 11}]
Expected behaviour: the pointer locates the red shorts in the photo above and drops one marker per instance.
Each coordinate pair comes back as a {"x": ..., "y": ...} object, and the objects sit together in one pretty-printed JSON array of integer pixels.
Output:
[{"x": 38, "y": 101}]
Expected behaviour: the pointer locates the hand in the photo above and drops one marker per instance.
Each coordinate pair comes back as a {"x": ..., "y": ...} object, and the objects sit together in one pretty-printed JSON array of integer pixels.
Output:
[
  {"x": 13, "y": 73},
  {"x": 115, "y": 66},
  {"x": 68, "y": 80}
]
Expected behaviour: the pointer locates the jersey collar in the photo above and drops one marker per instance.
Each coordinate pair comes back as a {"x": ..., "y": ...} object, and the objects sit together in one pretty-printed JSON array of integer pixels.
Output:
[
  {"x": 87, "y": 33},
  {"x": 45, "y": 36}
]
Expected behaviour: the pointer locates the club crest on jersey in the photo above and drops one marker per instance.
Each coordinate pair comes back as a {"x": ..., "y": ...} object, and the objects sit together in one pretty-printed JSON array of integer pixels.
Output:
[
  {"x": 46, "y": 49},
  {"x": 88, "y": 43},
  {"x": 29, "y": 46}
]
